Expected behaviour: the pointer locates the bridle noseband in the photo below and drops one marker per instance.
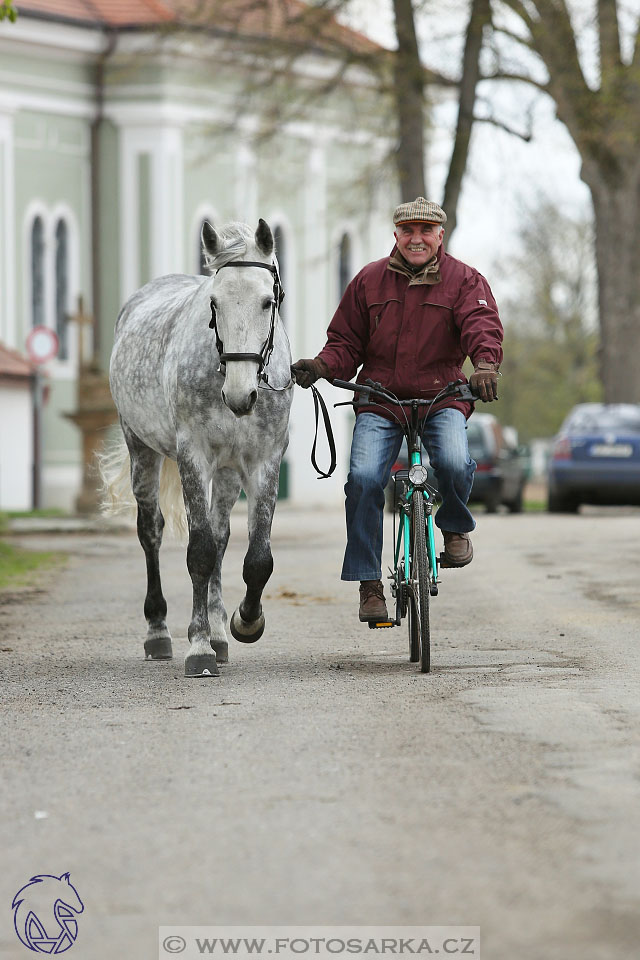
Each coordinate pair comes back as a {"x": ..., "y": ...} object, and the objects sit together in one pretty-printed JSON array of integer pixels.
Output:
[{"x": 262, "y": 358}]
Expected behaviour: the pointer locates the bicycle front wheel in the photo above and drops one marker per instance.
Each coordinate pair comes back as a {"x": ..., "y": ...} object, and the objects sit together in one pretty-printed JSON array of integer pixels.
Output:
[{"x": 419, "y": 627}]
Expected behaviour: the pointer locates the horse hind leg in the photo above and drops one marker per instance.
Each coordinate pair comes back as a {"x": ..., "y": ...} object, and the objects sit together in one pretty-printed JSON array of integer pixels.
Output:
[
  {"x": 224, "y": 493},
  {"x": 145, "y": 479}
]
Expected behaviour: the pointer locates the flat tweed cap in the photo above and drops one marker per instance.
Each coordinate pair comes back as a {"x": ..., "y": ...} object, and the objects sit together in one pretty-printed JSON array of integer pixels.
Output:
[{"x": 419, "y": 210}]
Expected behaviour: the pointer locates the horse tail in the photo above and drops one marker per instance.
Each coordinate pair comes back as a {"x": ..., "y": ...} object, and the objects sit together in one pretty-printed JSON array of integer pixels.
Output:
[
  {"x": 171, "y": 500},
  {"x": 117, "y": 499},
  {"x": 114, "y": 469}
]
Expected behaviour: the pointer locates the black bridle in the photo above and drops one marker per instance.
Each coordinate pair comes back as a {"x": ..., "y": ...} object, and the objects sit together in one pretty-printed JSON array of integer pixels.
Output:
[{"x": 262, "y": 358}]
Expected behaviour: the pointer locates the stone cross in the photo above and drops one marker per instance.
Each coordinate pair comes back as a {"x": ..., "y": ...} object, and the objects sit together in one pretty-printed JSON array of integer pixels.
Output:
[{"x": 83, "y": 320}]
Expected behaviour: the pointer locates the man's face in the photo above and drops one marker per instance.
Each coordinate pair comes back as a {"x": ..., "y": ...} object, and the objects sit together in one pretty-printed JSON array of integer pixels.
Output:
[{"x": 418, "y": 242}]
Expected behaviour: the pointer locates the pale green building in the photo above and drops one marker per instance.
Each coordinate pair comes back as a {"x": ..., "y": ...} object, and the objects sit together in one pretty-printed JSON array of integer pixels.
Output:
[{"x": 119, "y": 136}]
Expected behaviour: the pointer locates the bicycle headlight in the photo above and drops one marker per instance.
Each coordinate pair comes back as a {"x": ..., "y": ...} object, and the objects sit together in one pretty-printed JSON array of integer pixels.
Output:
[{"x": 418, "y": 475}]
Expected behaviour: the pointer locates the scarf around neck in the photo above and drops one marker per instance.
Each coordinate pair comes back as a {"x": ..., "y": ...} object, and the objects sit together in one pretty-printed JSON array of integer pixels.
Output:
[{"x": 429, "y": 273}]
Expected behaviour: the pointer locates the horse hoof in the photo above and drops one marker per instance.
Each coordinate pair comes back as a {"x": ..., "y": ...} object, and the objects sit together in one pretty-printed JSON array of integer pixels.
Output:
[
  {"x": 158, "y": 648},
  {"x": 246, "y": 631},
  {"x": 201, "y": 665},
  {"x": 221, "y": 648}
]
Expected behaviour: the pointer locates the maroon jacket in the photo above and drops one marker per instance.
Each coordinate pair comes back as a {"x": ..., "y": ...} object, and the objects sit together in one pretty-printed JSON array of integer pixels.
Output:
[{"x": 413, "y": 337}]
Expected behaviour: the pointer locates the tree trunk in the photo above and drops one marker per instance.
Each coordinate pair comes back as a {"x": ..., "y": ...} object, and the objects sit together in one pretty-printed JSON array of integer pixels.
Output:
[
  {"x": 409, "y": 96},
  {"x": 617, "y": 227},
  {"x": 480, "y": 15}
]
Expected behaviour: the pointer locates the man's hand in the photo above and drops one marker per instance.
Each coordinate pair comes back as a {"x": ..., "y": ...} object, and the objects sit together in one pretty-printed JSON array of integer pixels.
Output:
[
  {"x": 484, "y": 380},
  {"x": 306, "y": 372}
]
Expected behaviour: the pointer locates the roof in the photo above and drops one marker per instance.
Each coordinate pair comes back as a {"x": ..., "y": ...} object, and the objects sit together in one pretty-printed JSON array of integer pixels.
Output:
[
  {"x": 13, "y": 364},
  {"x": 283, "y": 20},
  {"x": 113, "y": 13}
]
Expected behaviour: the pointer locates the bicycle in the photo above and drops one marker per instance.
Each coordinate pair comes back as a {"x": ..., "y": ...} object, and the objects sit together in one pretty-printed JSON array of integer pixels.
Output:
[{"x": 414, "y": 577}]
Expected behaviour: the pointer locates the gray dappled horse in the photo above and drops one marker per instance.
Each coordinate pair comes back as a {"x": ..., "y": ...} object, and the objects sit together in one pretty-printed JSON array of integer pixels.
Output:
[{"x": 200, "y": 374}]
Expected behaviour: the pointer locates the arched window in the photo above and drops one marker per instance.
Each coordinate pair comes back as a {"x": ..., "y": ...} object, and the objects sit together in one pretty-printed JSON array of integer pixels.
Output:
[
  {"x": 37, "y": 272},
  {"x": 281, "y": 253},
  {"x": 344, "y": 263},
  {"x": 62, "y": 287}
]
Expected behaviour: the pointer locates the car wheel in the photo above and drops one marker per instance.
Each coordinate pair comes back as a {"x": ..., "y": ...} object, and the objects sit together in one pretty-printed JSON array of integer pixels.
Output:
[
  {"x": 559, "y": 503},
  {"x": 515, "y": 505},
  {"x": 492, "y": 501}
]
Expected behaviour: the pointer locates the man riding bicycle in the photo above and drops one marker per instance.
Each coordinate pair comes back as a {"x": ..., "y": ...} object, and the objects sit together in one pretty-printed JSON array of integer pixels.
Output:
[{"x": 410, "y": 320}]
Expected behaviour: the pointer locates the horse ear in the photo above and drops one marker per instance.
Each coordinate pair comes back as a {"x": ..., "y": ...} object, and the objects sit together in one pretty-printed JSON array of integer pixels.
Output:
[
  {"x": 264, "y": 238},
  {"x": 210, "y": 239}
]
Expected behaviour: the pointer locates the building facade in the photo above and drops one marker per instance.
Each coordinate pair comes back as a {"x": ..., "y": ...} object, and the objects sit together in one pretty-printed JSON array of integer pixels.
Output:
[{"x": 120, "y": 136}]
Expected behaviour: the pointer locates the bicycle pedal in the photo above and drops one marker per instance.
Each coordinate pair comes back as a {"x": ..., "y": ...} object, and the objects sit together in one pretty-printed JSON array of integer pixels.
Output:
[{"x": 380, "y": 624}]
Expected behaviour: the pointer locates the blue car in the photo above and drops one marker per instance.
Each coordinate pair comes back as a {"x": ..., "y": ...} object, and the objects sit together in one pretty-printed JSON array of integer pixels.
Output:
[{"x": 596, "y": 457}]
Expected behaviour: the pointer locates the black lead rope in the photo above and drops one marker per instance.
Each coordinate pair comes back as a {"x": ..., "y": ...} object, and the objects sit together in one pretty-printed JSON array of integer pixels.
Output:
[{"x": 321, "y": 407}]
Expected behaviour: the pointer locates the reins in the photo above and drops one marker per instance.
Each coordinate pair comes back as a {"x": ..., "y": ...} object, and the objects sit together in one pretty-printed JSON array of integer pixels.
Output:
[
  {"x": 321, "y": 407},
  {"x": 263, "y": 358}
]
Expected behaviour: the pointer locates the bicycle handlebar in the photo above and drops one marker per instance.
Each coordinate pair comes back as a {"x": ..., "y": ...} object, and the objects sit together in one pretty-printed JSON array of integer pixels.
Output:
[{"x": 459, "y": 387}]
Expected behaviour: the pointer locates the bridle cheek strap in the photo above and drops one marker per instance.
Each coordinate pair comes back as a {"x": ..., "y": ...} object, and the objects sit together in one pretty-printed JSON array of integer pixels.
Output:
[{"x": 262, "y": 358}]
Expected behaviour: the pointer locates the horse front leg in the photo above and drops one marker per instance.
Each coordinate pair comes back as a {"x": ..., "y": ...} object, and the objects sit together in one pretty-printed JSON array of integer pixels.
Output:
[
  {"x": 224, "y": 493},
  {"x": 145, "y": 478},
  {"x": 201, "y": 560},
  {"x": 247, "y": 623}
]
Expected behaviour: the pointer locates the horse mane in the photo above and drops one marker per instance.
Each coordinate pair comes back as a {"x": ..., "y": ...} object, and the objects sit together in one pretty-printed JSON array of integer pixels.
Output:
[{"x": 235, "y": 238}]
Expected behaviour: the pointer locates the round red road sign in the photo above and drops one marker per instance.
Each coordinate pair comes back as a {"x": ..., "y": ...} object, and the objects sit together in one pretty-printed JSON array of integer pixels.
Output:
[{"x": 42, "y": 344}]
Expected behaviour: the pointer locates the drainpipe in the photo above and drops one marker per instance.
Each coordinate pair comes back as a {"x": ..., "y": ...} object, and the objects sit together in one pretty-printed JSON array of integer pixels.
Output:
[{"x": 96, "y": 231}]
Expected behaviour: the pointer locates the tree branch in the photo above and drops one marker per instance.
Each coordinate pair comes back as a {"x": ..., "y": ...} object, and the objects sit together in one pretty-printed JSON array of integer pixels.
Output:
[
  {"x": 609, "y": 38},
  {"x": 553, "y": 38},
  {"x": 519, "y": 77},
  {"x": 524, "y": 41},
  {"x": 527, "y": 137}
]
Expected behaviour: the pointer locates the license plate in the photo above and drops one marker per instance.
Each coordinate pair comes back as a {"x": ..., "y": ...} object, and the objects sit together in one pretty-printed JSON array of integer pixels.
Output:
[{"x": 611, "y": 450}]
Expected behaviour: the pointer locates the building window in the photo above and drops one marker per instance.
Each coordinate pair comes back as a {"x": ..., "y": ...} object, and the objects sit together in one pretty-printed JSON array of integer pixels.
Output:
[
  {"x": 37, "y": 273},
  {"x": 62, "y": 287},
  {"x": 344, "y": 263}
]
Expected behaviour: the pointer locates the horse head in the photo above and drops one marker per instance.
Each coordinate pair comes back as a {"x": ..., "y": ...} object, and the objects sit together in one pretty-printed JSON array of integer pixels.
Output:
[{"x": 244, "y": 306}]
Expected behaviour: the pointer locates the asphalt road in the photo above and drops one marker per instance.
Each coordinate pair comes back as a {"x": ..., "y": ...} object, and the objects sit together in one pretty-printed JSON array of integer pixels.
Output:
[{"x": 322, "y": 779}]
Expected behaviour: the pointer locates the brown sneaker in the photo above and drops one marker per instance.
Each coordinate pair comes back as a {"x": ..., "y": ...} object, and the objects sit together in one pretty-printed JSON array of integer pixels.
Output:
[
  {"x": 372, "y": 604},
  {"x": 458, "y": 551}
]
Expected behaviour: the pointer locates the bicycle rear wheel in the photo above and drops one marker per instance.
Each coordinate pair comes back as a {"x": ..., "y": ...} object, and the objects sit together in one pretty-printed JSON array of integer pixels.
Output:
[{"x": 419, "y": 627}]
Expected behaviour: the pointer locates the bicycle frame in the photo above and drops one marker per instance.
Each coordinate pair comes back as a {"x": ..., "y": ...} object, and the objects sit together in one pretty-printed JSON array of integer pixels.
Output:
[
  {"x": 401, "y": 585},
  {"x": 403, "y": 536}
]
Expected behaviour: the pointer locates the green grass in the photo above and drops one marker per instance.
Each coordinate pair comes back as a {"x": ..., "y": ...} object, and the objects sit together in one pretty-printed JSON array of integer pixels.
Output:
[{"x": 19, "y": 567}]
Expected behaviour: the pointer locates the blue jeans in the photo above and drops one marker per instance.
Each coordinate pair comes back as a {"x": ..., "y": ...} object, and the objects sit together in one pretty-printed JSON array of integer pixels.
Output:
[{"x": 374, "y": 449}]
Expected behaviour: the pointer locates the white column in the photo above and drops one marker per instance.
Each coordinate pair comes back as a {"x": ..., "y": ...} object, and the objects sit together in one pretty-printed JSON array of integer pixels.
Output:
[
  {"x": 167, "y": 221},
  {"x": 246, "y": 186},
  {"x": 164, "y": 146},
  {"x": 8, "y": 319},
  {"x": 316, "y": 253},
  {"x": 130, "y": 143}
]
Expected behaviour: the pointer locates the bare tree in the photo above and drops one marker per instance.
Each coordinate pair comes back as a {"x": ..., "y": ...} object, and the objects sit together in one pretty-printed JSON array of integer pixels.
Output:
[
  {"x": 293, "y": 29},
  {"x": 602, "y": 114},
  {"x": 551, "y": 337}
]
